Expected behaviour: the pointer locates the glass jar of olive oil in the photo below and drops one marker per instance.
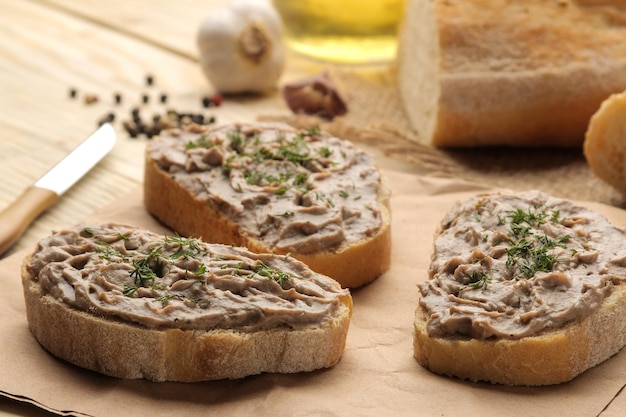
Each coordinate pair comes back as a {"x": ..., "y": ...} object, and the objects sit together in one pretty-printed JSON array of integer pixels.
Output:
[{"x": 353, "y": 32}]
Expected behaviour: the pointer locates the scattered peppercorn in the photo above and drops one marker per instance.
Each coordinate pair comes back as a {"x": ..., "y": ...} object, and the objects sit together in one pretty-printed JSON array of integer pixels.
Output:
[
  {"x": 107, "y": 118},
  {"x": 160, "y": 122},
  {"x": 217, "y": 100},
  {"x": 91, "y": 98},
  {"x": 137, "y": 126},
  {"x": 131, "y": 129},
  {"x": 136, "y": 115}
]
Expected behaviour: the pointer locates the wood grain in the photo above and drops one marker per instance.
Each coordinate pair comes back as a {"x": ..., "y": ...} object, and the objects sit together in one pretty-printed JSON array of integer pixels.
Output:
[{"x": 98, "y": 48}]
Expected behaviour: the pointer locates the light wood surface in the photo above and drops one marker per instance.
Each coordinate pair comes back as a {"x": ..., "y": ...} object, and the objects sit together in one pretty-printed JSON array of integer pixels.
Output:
[
  {"x": 98, "y": 48},
  {"x": 102, "y": 47}
]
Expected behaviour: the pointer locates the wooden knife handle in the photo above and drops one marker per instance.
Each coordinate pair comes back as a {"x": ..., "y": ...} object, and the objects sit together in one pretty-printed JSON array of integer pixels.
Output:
[{"x": 15, "y": 219}]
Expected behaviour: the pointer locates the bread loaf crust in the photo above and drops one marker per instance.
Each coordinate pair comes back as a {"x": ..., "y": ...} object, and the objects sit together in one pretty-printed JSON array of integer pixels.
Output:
[
  {"x": 604, "y": 145},
  {"x": 509, "y": 73},
  {"x": 351, "y": 264},
  {"x": 124, "y": 350}
]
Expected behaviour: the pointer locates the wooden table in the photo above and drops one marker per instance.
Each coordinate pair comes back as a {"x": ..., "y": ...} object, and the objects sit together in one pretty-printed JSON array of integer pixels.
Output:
[{"x": 102, "y": 48}]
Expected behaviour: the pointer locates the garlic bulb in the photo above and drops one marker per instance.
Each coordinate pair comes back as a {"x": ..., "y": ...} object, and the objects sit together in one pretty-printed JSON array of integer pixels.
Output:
[{"x": 241, "y": 47}]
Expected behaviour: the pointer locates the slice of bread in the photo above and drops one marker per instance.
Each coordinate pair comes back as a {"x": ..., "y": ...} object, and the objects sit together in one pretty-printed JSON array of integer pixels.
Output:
[
  {"x": 524, "y": 289},
  {"x": 496, "y": 72},
  {"x": 274, "y": 188},
  {"x": 605, "y": 144},
  {"x": 128, "y": 303}
]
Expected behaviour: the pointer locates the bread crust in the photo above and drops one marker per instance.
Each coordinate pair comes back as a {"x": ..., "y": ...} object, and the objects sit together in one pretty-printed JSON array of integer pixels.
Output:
[
  {"x": 604, "y": 147},
  {"x": 125, "y": 350},
  {"x": 352, "y": 265},
  {"x": 551, "y": 357},
  {"x": 509, "y": 73}
]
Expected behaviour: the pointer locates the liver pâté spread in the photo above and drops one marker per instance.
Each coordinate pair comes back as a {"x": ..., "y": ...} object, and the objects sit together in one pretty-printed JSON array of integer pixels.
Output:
[
  {"x": 300, "y": 191},
  {"x": 511, "y": 266},
  {"x": 158, "y": 281}
]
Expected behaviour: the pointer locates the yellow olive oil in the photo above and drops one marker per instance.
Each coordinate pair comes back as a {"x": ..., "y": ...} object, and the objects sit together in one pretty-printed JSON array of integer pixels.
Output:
[{"x": 342, "y": 31}]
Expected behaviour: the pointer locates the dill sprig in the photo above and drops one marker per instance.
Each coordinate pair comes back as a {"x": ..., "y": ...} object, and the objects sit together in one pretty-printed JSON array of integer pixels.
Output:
[
  {"x": 478, "y": 280},
  {"x": 187, "y": 247},
  {"x": 273, "y": 274},
  {"x": 285, "y": 153},
  {"x": 530, "y": 252},
  {"x": 147, "y": 269}
]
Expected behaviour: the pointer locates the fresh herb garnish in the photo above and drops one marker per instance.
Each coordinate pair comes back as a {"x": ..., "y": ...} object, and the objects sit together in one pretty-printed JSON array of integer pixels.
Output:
[
  {"x": 288, "y": 158},
  {"x": 147, "y": 269},
  {"x": 129, "y": 290},
  {"x": 478, "y": 280},
  {"x": 324, "y": 197},
  {"x": 200, "y": 142},
  {"x": 188, "y": 248},
  {"x": 275, "y": 275},
  {"x": 529, "y": 252},
  {"x": 106, "y": 251}
]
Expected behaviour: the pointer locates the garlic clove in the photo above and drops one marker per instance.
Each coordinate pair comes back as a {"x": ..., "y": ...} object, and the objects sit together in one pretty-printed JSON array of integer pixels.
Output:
[{"x": 241, "y": 47}]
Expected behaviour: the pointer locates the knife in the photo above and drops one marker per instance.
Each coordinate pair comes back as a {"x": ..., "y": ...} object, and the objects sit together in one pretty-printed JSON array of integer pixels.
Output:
[{"x": 37, "y": 198}]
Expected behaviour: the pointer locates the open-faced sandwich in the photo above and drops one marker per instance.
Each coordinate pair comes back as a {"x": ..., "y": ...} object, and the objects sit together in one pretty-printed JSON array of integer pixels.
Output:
[
  {"x": 274, "y": 188},
  {"x": 129, "y": 303},
  {"x": 523, "y": 289}
]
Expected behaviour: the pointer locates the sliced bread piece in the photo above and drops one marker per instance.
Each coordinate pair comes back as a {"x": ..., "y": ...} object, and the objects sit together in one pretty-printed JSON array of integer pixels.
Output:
[
  {"x": 523, "y": 289},
  {"x": 274, "y": 188},
  {"x": 129, "y": 303}
]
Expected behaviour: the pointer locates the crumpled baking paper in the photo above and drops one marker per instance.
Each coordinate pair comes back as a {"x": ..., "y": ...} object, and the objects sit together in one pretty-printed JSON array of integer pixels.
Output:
[{"x": 377, "y": 374}]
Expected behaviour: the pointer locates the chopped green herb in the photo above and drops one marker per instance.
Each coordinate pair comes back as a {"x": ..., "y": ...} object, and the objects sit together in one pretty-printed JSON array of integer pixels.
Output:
[
  {"x": 265, "y": 271},
  {"x": 187, "y": 247},
  {"x": 529, "y": 252},
  {"x": 201, "y": 142},
  {"x": 129, "y": 290},
  {"x": 478, "y": 280},
  {"x": 147, "y": 269}
]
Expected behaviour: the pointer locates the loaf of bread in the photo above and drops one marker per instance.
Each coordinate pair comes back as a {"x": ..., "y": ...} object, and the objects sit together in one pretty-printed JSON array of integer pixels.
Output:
[
  {"x": 605, "y": 142},
  {"x": 512, "y": 73},
  {"x": 523, "y": 289},
  {"x": 129, "y": 303},
  {"x": 274, "y": 188}
]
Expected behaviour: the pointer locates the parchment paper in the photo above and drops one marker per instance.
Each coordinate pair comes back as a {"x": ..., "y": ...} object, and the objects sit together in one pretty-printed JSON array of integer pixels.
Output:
[{"x": 376, "y": 376}]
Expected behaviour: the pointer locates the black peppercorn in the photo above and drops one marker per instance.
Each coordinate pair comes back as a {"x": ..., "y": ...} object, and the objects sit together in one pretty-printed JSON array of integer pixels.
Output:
[{"x": 197, "y": 118}]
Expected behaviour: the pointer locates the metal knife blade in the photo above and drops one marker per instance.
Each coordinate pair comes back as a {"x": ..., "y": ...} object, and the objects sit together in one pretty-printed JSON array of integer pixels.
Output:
[{"x": 15, "y": 219}]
